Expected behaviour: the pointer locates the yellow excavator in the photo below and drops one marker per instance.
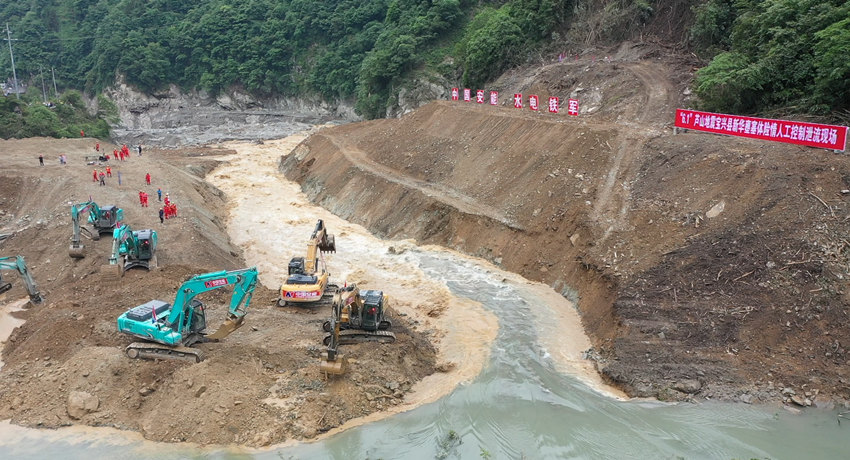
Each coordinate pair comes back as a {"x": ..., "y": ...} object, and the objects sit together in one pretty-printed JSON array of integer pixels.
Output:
[
  {"x": 358, "y": 316},
  {"x": 307, "y": 283},
  {"x": 361, "y": 316}
]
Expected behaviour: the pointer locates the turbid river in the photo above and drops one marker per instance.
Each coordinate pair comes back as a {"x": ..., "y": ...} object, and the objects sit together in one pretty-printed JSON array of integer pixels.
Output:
[{"x": 520, "y": 389}]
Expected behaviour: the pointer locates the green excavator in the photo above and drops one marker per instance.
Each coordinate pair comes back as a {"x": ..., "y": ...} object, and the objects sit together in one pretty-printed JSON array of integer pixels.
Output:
[
  {"x": 170, "y": 330},
  {"x": 132, "y": 248},
  {"x": 103, "y": 220},
  {"x": 17, "y": 263}
]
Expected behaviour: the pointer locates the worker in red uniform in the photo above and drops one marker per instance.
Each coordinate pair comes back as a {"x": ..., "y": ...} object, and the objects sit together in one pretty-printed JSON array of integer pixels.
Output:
[
  {"x": 82, "y": 133},
  {"x": 141, "y": 200},
  {"x": 97, "y": 147},
  {"x": 148, "y": 178},
  {"x": 167, "y": 200},
  {"x": 145, "y": 199},
  {"x": 94, "y": 176},
  {"x": 108, "y": 171}
]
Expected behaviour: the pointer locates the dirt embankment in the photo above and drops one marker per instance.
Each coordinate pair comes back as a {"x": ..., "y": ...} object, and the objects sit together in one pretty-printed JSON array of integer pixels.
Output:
[
  {"x": 65, "y": 364},
  {"x": 704, "y": 266}
]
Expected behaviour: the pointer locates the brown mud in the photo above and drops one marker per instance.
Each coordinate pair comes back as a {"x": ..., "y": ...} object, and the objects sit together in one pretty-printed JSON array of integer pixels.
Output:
[{"x": 704, "y": 266}]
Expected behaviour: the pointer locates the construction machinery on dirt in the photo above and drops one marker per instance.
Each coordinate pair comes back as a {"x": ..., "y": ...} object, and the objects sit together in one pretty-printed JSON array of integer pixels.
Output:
[
  {"x": 133, "y": 248},
  {"x": 103, "y": 220},
  {"x": 170, "y": 330},
  {"x": 361, "y": 316},
  {"x": 307, "y": 280},
  {"x": 333, "y": 362},
  {"x": 18, "y": 264}
]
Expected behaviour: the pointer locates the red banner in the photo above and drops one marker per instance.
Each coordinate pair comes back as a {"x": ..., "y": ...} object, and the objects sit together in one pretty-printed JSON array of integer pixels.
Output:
[
  {"x": 455, "y": 94},
  {"x": 518, "y": 101},
  {"x": 479, "y": 96},
  {"x": 553, "y": 104},
  {"x": 467, "y": 96},
  {"x": 532, "y": 102},
  {"x": 572, "y": 107},
  {"x": 494, "y": 97},
  {"x": 792, "y": 132}
]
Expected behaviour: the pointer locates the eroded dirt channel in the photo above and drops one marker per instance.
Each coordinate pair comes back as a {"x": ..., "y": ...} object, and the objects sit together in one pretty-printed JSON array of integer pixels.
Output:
[{"x": 519, "y": 388}]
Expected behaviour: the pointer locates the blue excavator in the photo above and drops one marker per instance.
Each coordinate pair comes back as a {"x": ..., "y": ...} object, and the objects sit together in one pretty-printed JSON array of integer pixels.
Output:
[
  {"x": 103, "y": 220},
  {"x": 136, "y": 248},
  {"x": 17, "y": 263},
  {"x": 170, "y": 330}
]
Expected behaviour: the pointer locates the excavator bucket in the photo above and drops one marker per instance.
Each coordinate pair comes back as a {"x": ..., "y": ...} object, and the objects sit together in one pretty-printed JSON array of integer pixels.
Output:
[
  {"x": 112, "y": 272},
  {"x": 227, "y": 328},
  {"x": 77, "y": 252},
  {"x": 335, "y": 367},
  {"x": 327, "y": 244}
]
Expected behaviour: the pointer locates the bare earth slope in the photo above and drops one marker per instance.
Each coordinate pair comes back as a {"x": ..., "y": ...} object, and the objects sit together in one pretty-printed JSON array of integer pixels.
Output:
[
  {"x": 261, "y": 385},
  {"x": 704, "y": 266}
]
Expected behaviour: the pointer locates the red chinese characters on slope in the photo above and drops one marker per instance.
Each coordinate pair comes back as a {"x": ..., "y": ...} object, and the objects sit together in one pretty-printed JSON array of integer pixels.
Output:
[
  {"x": 533, "y": 100},
  {"x": 792, "y": 132},
  {"x": 572, "y": 107}
]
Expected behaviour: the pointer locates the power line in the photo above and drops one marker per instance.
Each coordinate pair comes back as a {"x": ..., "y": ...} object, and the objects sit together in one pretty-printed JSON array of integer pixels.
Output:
[
  {"x": 55, "y": 39},
  {"x": 12, "y": 55}
]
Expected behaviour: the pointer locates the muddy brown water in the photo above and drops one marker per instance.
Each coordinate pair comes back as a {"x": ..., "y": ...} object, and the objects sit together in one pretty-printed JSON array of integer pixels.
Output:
[{"x": 520, "y": 388}]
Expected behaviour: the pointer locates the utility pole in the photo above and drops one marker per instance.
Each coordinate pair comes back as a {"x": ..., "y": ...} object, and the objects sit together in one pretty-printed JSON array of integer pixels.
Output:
[
  {"x": 14, "y": 74},
  {"x": 43, "y": 91},
  {"x": 55, "y": 93}
]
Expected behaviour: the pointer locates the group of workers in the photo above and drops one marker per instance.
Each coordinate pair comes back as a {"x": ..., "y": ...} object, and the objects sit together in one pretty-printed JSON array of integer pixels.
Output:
[{"x": 167, "y": 211}]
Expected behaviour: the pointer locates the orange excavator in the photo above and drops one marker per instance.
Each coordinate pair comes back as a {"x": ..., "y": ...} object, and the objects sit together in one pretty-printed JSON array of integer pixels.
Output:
[{"x": 307, "y": 283}]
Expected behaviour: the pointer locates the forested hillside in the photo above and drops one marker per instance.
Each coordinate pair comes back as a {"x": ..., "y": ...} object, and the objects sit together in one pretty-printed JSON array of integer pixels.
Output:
[{"x": 759, "y": 55}]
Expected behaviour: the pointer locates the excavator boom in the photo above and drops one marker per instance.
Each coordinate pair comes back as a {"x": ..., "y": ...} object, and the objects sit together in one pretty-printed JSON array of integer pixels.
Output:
[
  {"x": 17, "y": 263},
  {"x": 103, "y": 220},
  {"x": 175, "y": 327}
]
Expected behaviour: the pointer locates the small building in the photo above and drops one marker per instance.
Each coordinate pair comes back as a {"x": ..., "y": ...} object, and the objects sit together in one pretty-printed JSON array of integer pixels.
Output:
[{"x": 9, "y": 87}]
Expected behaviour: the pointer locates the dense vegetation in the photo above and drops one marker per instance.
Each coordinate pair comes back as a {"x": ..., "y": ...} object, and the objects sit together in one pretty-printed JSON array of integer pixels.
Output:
[
  {"x": 765, "y": 54},
  {"x": 29, "y": 117},
  {"x": 357, "y": 49},
  {"x": 785, "y": 55}
]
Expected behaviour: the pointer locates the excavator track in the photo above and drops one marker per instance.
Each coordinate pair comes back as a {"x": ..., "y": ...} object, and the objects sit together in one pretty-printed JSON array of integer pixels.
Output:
[
  {"x": 353, "y": 336},
  {"x": 383, "y": 325},
  {"x": 149, "y": 350}
]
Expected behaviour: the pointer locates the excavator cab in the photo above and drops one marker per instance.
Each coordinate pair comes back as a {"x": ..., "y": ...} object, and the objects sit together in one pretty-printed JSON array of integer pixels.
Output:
[
  {"x": 146, "y": 246},
  {"x": 107, "y": 218},
  {"x": 296, "y": 266},
  {"x": 373, "y": 309}
]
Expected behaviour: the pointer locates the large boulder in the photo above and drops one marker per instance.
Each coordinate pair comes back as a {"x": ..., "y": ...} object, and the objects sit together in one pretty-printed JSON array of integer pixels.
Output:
[{"x": 81, "y": 403}]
